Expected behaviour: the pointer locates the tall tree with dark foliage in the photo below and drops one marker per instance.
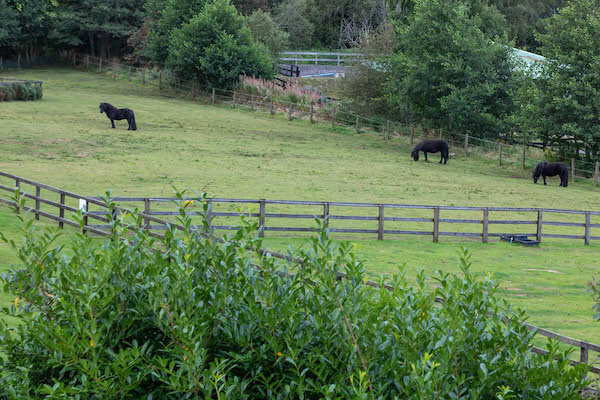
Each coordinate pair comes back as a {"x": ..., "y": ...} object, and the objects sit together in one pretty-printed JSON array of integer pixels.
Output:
[{"x": 567, "y": 104}]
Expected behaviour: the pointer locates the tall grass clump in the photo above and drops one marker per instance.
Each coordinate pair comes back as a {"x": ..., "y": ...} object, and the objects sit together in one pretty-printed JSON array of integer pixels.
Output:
[
  {"x": 292, "y": 93},
  {"x": 196, "y": 316}
]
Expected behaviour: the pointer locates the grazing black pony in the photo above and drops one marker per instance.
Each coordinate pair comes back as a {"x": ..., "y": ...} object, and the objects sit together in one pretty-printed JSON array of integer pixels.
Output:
[
  {"x": 118, "y": 113},
  {"x": 552, "y": 169},
  {"x": 431, "y": 146}
]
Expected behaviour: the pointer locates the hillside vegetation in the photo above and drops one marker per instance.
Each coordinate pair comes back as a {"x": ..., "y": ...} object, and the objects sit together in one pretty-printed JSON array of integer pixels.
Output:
[{"x": 64, "y": 141}]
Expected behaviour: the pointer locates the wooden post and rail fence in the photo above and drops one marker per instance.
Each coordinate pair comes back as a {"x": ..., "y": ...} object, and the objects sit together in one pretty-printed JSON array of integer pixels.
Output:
[
  {"x": 43, "y": 192},
  {"x": 380, "y": 224}
]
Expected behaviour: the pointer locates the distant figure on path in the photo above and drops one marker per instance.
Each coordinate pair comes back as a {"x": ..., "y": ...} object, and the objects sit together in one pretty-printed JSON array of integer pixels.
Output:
[
  {"x": 117, "y": 114},
  {"x": 552, "y": 169},
  {"x": 431, "y": 146}
]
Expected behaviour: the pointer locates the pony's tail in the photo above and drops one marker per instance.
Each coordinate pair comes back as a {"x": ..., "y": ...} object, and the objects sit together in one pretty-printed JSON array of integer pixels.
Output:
[
  {"x": 133, "y": 125},
  {"x": 566, "y": 176}
]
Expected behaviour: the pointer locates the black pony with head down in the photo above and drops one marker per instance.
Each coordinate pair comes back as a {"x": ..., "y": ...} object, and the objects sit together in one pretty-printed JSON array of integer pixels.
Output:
[
  {"x": 431, "y": 146},
  {"x": 118, "y": 113},
  {"x": 552, "y": 169}
]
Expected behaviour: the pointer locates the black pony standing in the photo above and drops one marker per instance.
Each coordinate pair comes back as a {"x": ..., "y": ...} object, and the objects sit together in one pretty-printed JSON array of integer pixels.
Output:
[
  {"x": 117, "y": 114},
  {"x": 552, "y": 169},
  {"x": 431, "y": 146}
]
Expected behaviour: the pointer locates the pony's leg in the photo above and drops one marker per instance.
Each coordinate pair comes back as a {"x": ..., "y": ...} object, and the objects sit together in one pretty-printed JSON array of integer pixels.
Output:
[
  {"x": 112, "y": 121},
  {"x": 425, "y": 155},
  {"x": 544, "y": 176}
]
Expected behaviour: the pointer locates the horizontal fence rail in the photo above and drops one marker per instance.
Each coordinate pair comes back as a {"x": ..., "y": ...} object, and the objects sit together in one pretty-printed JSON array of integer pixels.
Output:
[
  {"x": 12, "y": 81},
  {"x": 43, "y": 192},
  {"x": 315, "y": 57}
]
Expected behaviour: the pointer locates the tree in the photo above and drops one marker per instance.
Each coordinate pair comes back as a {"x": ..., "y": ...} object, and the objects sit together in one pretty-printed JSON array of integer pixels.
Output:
[
  {"x": 33, "y": 20},
  {"x": 364, "y": 85},
  {"x": 290, "y": 15},
  {"x": 9, "y": 27},
  {"x": 215, "y": 48},
  {"x": 100, "y": 26},
  {"x": 568, "y": 101},
  {"x": 265, "y": 31},
  {"x": 163, "y": 17},
  {"x": 450, "y": 72}
]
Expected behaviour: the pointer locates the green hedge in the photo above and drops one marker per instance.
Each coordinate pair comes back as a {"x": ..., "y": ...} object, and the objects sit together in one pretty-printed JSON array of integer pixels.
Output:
[
  {"x": 21, "y": 91},
  {"x": 192, "y": 317}
]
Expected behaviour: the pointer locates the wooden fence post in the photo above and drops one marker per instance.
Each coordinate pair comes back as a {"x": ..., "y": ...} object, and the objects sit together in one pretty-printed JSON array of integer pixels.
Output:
[
  {"x": 19, "y": 61},
  {"x": 500, "y": 154},
  {"x": 573, "y": 169},
  {"x": 466, "y": 144},
  {"x": 129, "y": 74},
  {"x": 436, "y": 224},
  {"x": 271, "y": 108},
  {"x": 357, "y": 125},
  {"x": 333, "y": 119},
  {"x": 62, "y": 210},
  {"x": 596, "y": 173},
  {"x": 100, "y": 66},
  {"x": 326, "y": 214},
  {"x": 380, "y": 219},
  {"x": 233, "y": 101},
  {"x": 209, "y": 217},
  {"x": 261, "y": 225},
  {"x": 290, "y": 112},
  {"x": 85, "y": 218},
  {"x": 583, "y": 355},
  {"x": 147, "y": 212},
  {"x": 540, "y": 222},
  {"x": 38, "y": 192},
  {"x": 87, "y": 62},
  {"x": 484, "y": 236},
  {"x": 18, "y": 186},
  {"x": 388, "y": 130},
  {"x": 311, "y": 113},
  {"x": 588, "y": 218},
  {"x": 523, "y": 156},
  {"x": 160, "y": 80},
  {"x": 412, "y": 134},
  {"x": 144, "y": 76},
  {"x": 213, "y": 96},
  {"x": 252, "y": 103}
]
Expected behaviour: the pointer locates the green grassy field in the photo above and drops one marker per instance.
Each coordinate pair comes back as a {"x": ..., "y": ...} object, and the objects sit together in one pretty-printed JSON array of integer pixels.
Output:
[{"x": 65, "y": 142}]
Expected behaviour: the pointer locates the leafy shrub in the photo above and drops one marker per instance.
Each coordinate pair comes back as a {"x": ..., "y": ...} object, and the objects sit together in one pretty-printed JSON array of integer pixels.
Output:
[
  {"x": 215, "y": 48},
  {"x": 201, "y": 318},
  {"x": 20, "y": 91}
]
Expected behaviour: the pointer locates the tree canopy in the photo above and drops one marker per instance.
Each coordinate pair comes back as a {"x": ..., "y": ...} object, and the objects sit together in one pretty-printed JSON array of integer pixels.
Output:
[
  {"x": 215, "y": 47},
  {"x": 567, "y": 104},
  {"x": 449, "y": 71}
]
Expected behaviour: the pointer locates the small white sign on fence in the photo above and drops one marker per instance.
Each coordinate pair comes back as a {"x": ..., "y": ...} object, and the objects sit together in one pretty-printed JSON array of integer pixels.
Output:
[{"x": 83, "y": 205}]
